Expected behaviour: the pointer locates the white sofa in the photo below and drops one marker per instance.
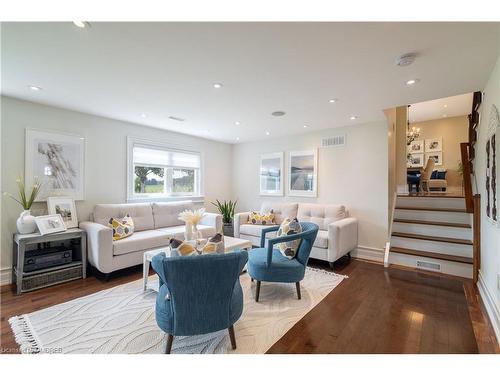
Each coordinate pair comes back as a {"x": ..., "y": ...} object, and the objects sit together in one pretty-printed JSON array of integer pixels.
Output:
[
  {"x": 154, "y": 224},
  {"x": 337, "y": 235}
]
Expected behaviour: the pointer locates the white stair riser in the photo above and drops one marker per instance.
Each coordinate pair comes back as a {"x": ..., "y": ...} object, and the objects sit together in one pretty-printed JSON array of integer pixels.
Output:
[
  {"x": 441, "y": 216},
  {"x": 431, "y": 202},
  {"x": 447, "y": 267},
  {"x": 432, "y": 246},
  {"x": 433, "y": 230}
]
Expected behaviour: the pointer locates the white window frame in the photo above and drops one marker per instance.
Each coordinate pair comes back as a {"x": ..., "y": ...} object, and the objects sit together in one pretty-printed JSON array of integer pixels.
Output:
[{"x": 146, "y": 143}]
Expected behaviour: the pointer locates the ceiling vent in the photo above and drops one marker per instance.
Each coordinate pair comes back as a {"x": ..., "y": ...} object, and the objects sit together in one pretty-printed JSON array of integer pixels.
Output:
[
  {"x": 428, "y": 265},
  {"x": 278, "y": 113},
  {"x": 338, "y": 140}
]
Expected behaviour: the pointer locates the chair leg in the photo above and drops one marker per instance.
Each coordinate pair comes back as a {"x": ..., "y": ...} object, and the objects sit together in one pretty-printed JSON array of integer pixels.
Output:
[
  {"x": 331, "y": 265},
  {"x": 251, "y": 279},
  {"x": 297, "y": 285},
  {"x": 349, "y": 255},
  {"x": 232, "y": 337},
  {"x": 170, "y": 340},
  {"x": 257, "y": 292}
]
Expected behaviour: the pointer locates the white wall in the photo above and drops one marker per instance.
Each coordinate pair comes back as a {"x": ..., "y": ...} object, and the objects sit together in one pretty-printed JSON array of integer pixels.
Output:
[
  {"x": 105, "y": 161},
  {"x": 490, "y": 234},
  {"x": 354, "y": 175}
]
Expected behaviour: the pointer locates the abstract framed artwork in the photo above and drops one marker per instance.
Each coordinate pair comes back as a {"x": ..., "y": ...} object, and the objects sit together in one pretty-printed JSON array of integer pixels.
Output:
[
  {"x": 65, "y": 207},
  {"x": 58, "y": 160},
  {"x": 271, "y": 174},
  {"x": 416, "y": 147},
  {"x": 416, "y": 160},
  {"x": 491, "y": 166},
  {"x": 434, "y": 145},
  {"x": 303, "y": 173},
  {"x": 437, "y": 156}
]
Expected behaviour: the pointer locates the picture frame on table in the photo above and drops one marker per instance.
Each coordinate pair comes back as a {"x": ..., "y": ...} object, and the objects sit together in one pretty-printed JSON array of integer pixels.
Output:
[
  {"x": 58, "y": 159},
  {"x": 271, "y": 174},
  {"x": 303, "y": 173},
  {"x": 48, "y": 224},
  {"x": 64, "y": 206}
]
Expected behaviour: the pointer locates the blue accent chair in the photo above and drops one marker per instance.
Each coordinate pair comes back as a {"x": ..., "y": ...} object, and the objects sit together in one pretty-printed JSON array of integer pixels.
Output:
[
  {"x": 268, "y": 264},
  {"x": 199, "y": 294}
]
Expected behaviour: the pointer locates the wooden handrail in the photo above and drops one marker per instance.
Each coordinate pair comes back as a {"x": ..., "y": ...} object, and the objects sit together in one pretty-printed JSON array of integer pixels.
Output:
[
  {"x": 469, "y": 199},
  {"x": 476, "y": 241}
]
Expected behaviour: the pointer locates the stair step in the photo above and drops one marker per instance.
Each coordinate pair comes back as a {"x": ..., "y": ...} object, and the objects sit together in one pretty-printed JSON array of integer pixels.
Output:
[
  {"x": 438, "y": 223},
  {"x": 428, "y": 254},
  {"x": 431, "y": 209},
  {"x": 432, "y": 238},
  {"x": 434, "y": 195}
]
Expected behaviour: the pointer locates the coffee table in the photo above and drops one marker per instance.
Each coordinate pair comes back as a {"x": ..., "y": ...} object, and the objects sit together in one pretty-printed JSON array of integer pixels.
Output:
[{"x": 230, "y": 244}]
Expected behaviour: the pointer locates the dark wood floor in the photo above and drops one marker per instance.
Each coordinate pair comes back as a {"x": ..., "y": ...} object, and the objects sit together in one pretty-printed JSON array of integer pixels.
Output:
[{"x": 374, "y": 311}]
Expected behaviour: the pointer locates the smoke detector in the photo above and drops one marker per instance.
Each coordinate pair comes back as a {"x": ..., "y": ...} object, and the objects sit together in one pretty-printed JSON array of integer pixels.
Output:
[{"x": 406, "y": 59}]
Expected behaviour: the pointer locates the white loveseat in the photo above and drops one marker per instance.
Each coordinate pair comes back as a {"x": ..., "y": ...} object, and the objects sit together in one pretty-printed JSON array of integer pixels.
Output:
[
  {"x": 337, "y": 235},
  {"x": 154, "y": 224}
]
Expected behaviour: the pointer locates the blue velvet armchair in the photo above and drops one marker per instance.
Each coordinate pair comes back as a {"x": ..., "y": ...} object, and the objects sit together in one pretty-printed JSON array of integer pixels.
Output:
[
  {"x": 268, "y": 264},
  {"x": 199, "y": 294}
]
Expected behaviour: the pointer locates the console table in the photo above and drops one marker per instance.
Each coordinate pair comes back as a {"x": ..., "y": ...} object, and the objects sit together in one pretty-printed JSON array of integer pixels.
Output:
[{"x": 52, "y": 275}]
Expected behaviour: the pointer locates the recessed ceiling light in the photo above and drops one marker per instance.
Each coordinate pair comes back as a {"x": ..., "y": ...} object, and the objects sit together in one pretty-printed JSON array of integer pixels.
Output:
[
  {"x": 143, "y": 115},
  {"x": 353, "y": 117},
  {"x": 411, "y": 82},
  {"x": 445, "y": 106},
  {"x": 80, "y": 24},
  {"x": 445, "y": 115},
  {"x": 35, "y": 88},
  {"x": 237, "y": 123},
  {"x": 267, "y": 133},
  {"x": 306, "y": 126},
  {"x": 217, "y": 85},
  {"x": 237, "y": 138},
  {"x": 333, "y": 101}
]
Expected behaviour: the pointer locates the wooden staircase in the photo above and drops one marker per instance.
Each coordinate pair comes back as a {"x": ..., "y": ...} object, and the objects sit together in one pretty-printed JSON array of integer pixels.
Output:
[{"x": 433, "y": 233}]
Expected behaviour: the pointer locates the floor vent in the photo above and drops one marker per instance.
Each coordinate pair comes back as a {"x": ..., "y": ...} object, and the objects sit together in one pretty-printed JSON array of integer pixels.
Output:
[
  {"x": 429, "y": 265},
  {"x": 338, "y": 140}
]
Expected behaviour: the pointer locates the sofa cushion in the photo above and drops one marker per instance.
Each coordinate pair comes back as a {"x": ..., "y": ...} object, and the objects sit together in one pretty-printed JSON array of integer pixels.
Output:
[
  {"x": 140, "y": 241},
  {"x": 280, "y": 210},
  {"x": 141, "y": 213},
  {"x": 255, "y": 230},
  {"x": 321, "y": 214},
  {"x": 178, "y": 231},
  {"x": 321, "y": 239},
  {"x": 122, "y": 228},
  {"x": 261, "y": 218},
  {"x": 167, "y": 214}
]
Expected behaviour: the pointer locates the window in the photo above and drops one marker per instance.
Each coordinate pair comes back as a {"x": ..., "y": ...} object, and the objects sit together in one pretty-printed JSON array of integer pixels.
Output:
[{"x": 157, "y": 172}]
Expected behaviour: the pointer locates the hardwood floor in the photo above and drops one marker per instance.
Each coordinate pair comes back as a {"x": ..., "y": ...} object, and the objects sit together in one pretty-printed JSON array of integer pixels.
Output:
[{"x": 374, "y": 311}]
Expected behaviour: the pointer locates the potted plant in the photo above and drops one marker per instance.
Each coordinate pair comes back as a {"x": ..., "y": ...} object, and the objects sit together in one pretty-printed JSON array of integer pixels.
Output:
[
  {"x": 26, "y": 222},
  {"x": 226, "y": 209}
]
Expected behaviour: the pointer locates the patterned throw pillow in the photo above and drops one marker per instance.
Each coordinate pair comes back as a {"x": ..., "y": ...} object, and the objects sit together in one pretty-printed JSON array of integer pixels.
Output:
[
  {"x": 182, "y": 248},
  {"x": 258, "y": 218},
  {"x": 122, "y": 228},
  {"x": 288, "y": 227}
]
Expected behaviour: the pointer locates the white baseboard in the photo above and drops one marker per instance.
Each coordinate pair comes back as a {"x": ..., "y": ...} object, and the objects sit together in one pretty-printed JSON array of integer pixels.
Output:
[
  {"x": 370, "y": 253},
  {"x": 5, "y": 276},
  {"x": 491, "y": 307}
]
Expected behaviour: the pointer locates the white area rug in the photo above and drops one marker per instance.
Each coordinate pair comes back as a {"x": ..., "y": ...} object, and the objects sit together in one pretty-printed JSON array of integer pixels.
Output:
[{"x": 122, "y": 320}]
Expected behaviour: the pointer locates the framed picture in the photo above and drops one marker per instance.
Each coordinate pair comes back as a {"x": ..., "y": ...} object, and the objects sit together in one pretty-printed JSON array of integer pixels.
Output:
[
  {"x": 50, "y": 224},
  {"x": 434, "y": 145},
  {"x": 416, "y": 160},
  {"x": 437, "y": 156},
  {"x": 65, "y": 207},
  {"x": 303, "y": 172},
  {"x": 416, "y": 147},
  {"x": 271, "y": 174},
  {"x": 58, "y": 160},
  {"x": 491, "y": 166}
]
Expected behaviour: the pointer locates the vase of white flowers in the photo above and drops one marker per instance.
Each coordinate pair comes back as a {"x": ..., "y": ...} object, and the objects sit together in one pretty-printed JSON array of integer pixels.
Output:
[
  {"x": 26, "y": 222},
  {"x": 192, "y": 219}
]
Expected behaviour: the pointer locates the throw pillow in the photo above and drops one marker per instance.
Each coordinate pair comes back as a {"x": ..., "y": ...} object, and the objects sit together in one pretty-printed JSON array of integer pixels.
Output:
[
  {"x": 289, "y": 227},
  {"x": 122, "y": 228},
  {"x": 259, "y": 218}
]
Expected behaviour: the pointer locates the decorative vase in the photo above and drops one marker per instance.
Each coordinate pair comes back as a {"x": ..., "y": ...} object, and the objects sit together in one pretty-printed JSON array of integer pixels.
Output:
[
  {"x": 188, "y": 232},
  {"x": 196, "y": 233},
  {"x": 26, "y": 223},
  {"x": 228, "y": 229}
]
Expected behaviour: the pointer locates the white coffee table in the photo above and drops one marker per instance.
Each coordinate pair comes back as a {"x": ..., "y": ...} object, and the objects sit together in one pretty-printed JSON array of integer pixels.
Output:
[{"x": 230, "y": 244}]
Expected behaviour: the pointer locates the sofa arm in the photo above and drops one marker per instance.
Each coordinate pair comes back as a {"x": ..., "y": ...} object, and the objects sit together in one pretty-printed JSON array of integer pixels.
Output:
[
  {"x": 342, "y": 237},
  {"x": 99, "y": 245},
  {"x": 212, "y": 220},
  {"x": 239, "y": 219}
]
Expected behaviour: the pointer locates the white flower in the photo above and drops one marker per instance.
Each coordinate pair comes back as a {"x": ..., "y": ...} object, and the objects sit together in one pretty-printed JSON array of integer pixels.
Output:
[{"x": 192, "y": 217}]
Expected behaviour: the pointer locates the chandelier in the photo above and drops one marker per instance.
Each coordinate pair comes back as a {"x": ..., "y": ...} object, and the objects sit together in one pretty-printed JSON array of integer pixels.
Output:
[{"x": 413, "y": 133}]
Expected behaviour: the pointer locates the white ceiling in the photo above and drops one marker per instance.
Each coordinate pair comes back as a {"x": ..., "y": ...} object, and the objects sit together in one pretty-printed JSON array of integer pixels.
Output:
[
  {"x": 121, "y": 70},
  {"x": 453, "y": 106}
]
